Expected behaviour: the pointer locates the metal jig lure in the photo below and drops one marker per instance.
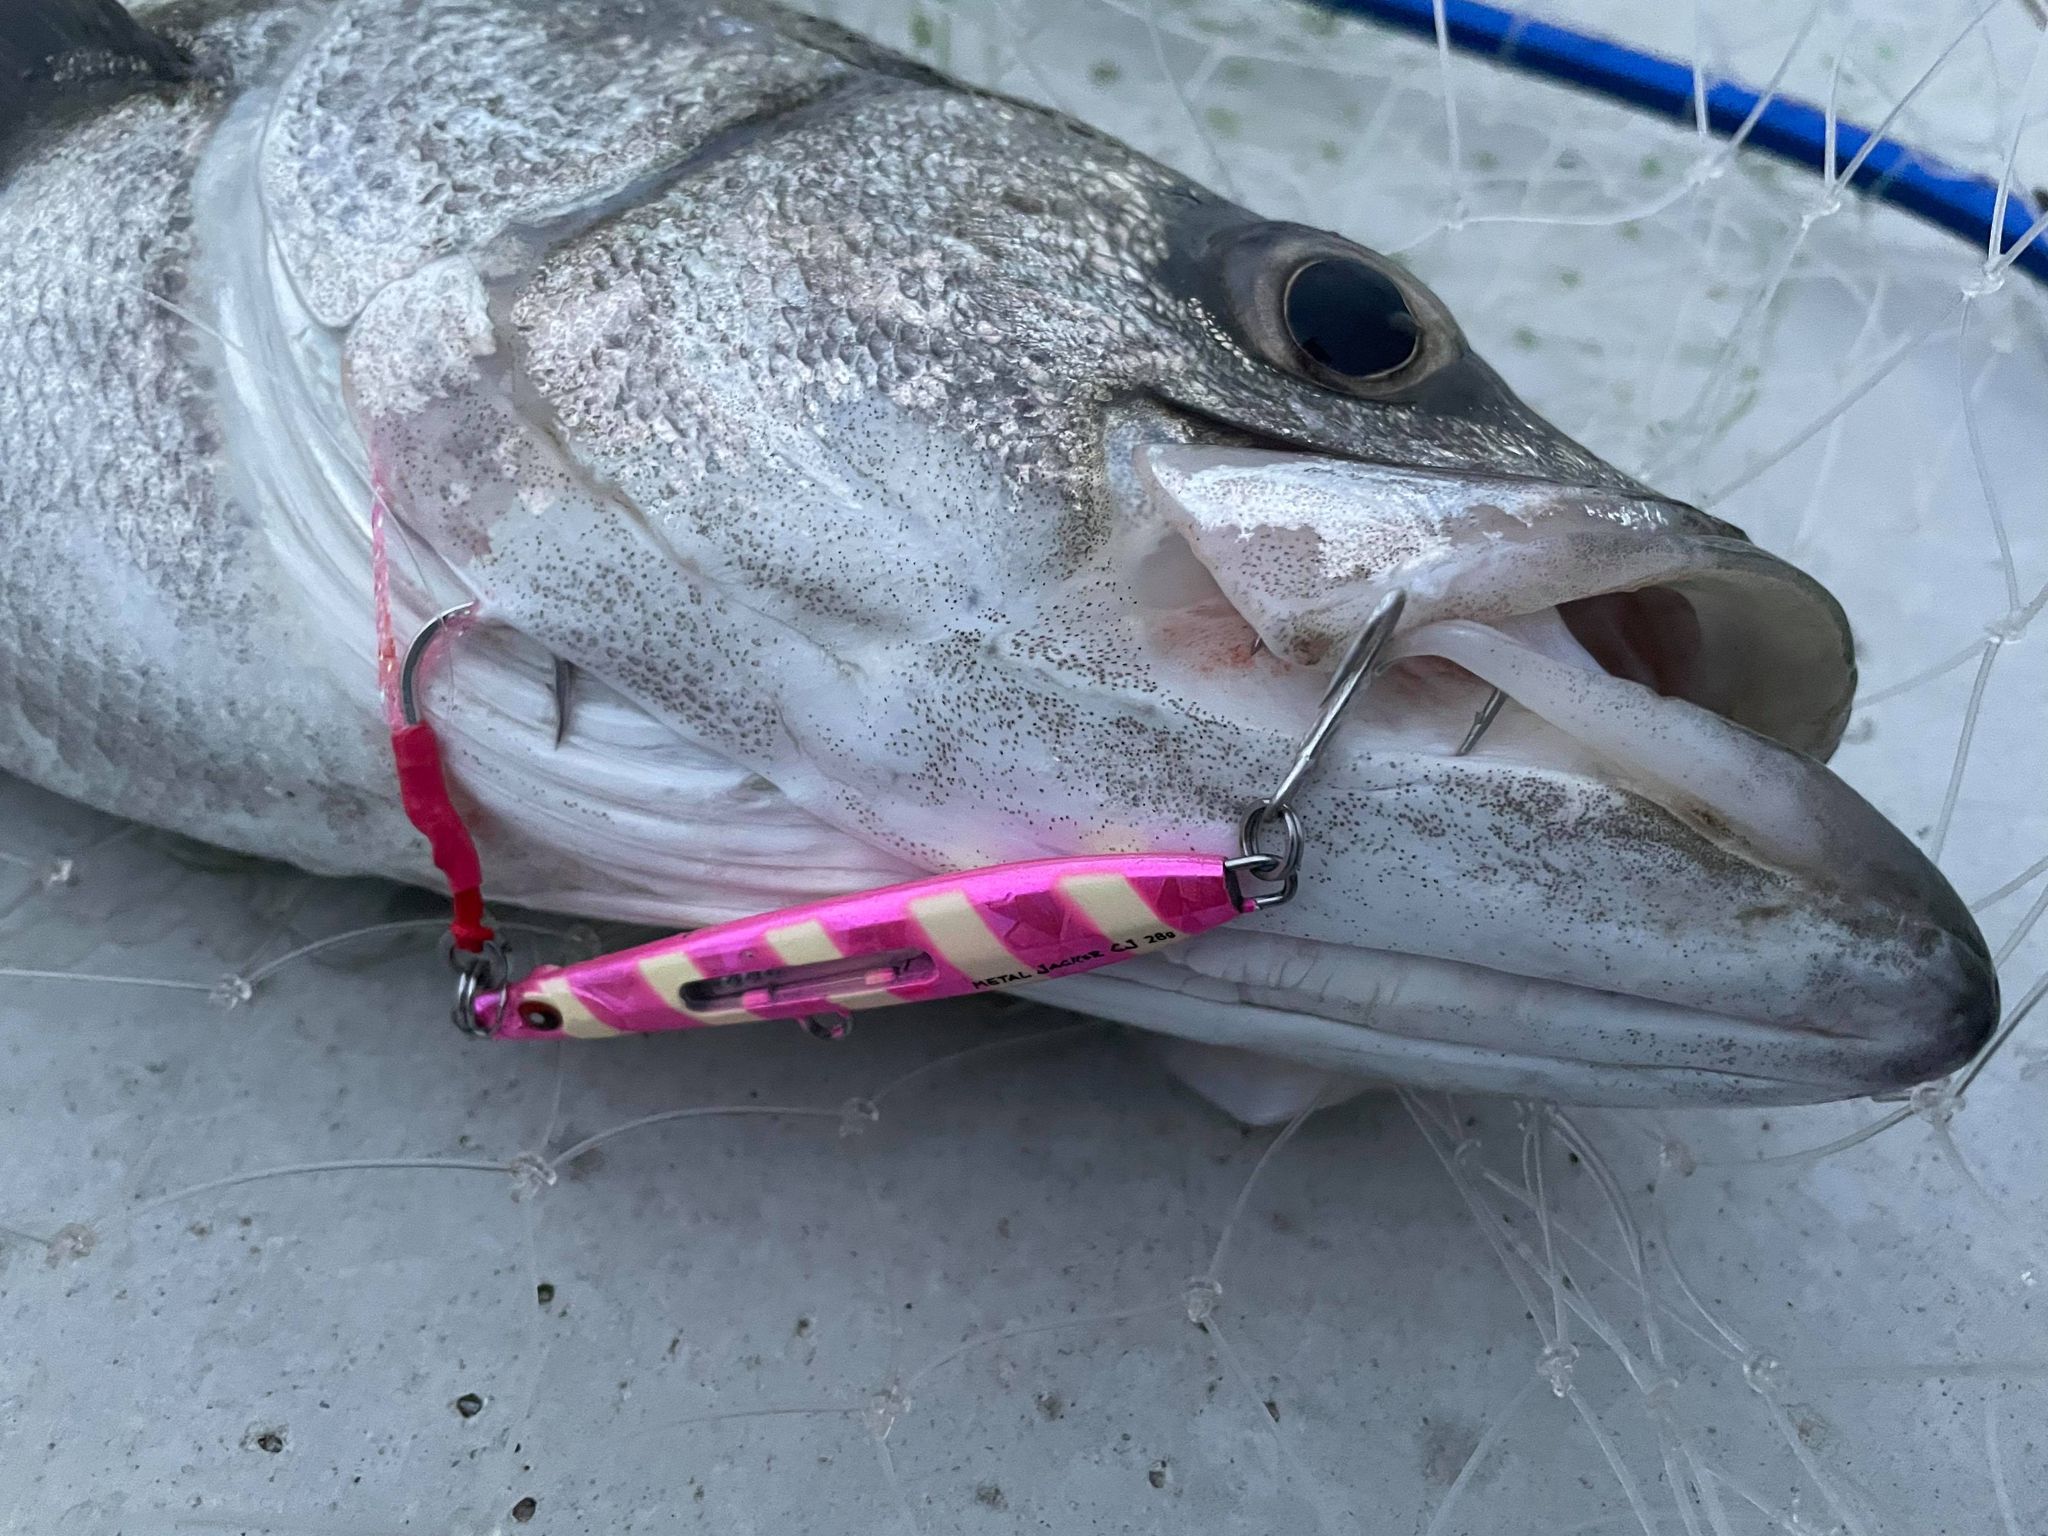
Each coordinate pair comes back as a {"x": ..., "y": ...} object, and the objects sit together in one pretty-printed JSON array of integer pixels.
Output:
[{"x": 945, "y": 936}]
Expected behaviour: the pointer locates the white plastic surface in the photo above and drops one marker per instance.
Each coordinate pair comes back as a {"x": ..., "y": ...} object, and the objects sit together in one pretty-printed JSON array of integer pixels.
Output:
[{"x": 311, "y": 1263}]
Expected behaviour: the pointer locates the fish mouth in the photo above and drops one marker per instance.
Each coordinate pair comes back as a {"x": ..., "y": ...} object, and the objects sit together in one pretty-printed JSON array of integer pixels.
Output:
[{"x": 1641, "y": 885}]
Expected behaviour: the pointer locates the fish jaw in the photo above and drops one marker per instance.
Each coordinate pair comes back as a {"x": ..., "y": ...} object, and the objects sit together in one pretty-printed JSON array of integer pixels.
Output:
[
  {"x": 1486, "y": 926},
  {"x": 1622, "y": 895},
  {"x": 1301, "y": 547}
]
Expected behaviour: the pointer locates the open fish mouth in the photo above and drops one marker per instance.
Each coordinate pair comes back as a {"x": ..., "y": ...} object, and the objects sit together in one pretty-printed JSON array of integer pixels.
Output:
[{"x": 1641, "y": 884}]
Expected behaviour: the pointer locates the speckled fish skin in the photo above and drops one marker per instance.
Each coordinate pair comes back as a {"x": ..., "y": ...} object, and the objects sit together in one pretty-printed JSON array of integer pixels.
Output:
[{"x": 888, "y": 460}]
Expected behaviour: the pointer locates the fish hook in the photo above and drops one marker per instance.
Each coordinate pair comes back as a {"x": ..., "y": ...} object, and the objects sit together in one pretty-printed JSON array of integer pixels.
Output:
[
  {"x": 423, "y": 642},
  {"x": 1486, "y": 716},
  {"x": 479, "y": 957},
  {"x": 416, "y": 657},
  {"x": 1362, "y": 662},
  {"x": 1359, "y": 666}
]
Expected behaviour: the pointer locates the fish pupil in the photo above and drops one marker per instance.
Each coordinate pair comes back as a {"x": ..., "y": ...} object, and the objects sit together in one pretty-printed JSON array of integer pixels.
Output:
[{"x": 1350, "y": 318}]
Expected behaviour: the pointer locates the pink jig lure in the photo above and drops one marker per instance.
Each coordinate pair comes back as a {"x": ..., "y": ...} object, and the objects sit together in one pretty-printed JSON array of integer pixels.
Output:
[
  {"x": 976, "y": 931},
  {"x": 942, "y": 937}
]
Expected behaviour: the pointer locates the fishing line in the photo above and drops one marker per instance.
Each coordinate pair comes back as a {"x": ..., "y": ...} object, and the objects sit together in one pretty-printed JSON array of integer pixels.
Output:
[{"x": 1784, "y": 127}]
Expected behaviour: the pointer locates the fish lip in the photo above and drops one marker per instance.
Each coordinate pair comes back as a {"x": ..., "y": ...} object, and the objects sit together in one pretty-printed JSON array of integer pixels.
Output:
[
  {"x": 1812, "y": 1066},
  {"x": 1192, "y": 424},
  {"x": 1911, "y": 996},
  {"x": 1195, "y": 427}
]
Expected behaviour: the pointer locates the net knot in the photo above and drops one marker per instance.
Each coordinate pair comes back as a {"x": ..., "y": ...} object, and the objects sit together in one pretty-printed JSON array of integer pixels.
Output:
[
  {"x": 856, "y": 1115},
  {"x": 1765, "y": 1374},
  {"x": 232, "y": 991},
  {"x": 1556, "y": 1364},
  {"x": 1935, "y": 1102},
  {"x": 885, "y": 1408},
  {"x": 531, "y": 1173},
  {"x": 73, "y": 1240}
]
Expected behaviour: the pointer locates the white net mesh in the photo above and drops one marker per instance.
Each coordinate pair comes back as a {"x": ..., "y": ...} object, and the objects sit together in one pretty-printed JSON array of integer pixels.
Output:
[{"x": 306, "y": 1263}]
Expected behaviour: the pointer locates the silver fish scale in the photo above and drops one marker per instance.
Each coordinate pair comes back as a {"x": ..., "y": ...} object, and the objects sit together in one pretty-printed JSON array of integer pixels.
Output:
[
  {"x": 158, "y": 660},
  {"x": 733, "y": 358},
  {"x": 410, "y": 130},
  {"x": 139, "y": 621},
  {"x": 982, "y": 267}
]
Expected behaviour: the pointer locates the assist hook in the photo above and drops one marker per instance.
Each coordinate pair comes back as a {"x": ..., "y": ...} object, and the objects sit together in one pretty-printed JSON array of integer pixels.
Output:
[
  {"x": 1361, "y": 664},
  {"x": 478, "y": 956}
]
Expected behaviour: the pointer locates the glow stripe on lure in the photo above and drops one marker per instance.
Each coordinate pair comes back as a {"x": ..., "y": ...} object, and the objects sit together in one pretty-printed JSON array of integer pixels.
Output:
[{"x": 940, "y": 937}]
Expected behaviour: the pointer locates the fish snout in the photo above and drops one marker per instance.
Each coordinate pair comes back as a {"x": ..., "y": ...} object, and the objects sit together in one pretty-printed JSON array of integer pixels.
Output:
[{"x": 1642, "y": 882}]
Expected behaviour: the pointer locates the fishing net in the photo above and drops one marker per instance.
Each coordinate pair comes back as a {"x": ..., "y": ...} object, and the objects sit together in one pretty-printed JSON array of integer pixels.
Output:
[{"x": 280, "y": 1253}]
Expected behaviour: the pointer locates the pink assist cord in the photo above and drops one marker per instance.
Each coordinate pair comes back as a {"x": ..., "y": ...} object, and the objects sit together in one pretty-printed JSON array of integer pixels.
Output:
[{"x": 416, "y": 752}]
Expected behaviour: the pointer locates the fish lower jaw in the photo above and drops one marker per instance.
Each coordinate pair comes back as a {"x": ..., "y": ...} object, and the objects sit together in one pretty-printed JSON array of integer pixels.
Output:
[
  {"x": 1618, "y": 897},
  {"x": 1458, "y": 1026}
]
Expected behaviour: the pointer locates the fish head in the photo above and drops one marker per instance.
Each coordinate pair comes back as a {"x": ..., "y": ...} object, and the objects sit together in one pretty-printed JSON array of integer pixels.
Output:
[{"x": 987, "y": 492}]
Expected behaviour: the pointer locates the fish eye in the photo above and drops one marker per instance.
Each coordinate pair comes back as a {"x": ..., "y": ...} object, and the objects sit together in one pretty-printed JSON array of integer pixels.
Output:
[
  {"x": 1350, "y": 318},
  {"x": 1317, "y": 306}
]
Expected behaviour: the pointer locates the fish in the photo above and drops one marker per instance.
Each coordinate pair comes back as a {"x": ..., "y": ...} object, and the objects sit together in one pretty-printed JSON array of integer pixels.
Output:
[{"x": 854, "y": 475}]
